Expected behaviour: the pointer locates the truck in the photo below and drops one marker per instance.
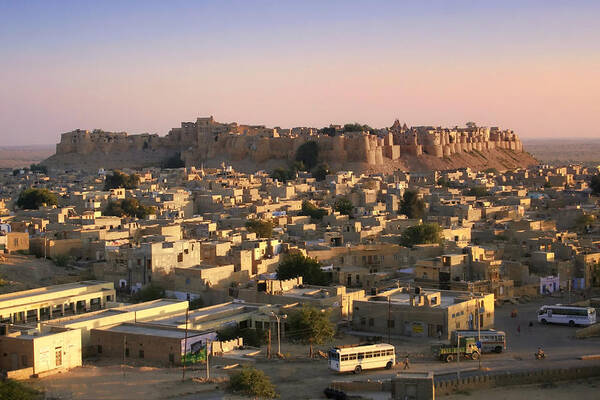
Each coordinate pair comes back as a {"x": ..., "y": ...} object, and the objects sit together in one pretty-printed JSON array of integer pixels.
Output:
[{"x": 467, "y": 348}]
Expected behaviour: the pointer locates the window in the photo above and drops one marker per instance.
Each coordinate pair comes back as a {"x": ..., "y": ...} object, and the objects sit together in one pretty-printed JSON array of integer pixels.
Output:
[
  {"x": 180, "y": 257},
  {"x": 99, "y": 349},
  {"x": 391, "y": 323},
  {"x": 126, "y": 352},
  {"x": 141, "y": 353},
  {"x": 187, "y": 281},
  {"x": 371, "y": 322},
  {"x": 363, "y": 321},
  {"x": 24, "y": 360}
]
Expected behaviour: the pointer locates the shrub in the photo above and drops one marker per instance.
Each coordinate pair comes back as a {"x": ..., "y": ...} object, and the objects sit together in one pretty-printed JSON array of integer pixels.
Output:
[
  {"x": 61, "y": 260},
  {"x": 196, "y": 303},
  {"x": 252, "y": 337},
  {"x": 253, "y": 382},
  {"x": 13, "y": 390}
]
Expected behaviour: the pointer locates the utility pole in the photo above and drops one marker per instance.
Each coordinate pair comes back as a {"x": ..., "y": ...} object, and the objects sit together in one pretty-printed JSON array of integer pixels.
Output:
[
  {"x": 269, "y": 344},
  {"x": 278, "y": 318},
  {"x": 124, "y": 352},
  {"x": 185, "y": 346},
  {"x": 389, "y": 319},
  {"x": 207, "y": 357}
]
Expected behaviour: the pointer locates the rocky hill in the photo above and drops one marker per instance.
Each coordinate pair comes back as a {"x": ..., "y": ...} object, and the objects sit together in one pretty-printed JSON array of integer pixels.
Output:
[{"x": 250, "y": 147}]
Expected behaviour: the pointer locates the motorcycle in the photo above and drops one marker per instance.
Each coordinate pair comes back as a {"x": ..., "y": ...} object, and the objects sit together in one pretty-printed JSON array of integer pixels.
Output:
[{"x": 539, "y": 356}]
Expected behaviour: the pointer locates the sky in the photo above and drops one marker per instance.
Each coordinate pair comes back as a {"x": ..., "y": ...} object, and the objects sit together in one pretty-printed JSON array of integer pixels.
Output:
[{"x": 145, "y": 66}]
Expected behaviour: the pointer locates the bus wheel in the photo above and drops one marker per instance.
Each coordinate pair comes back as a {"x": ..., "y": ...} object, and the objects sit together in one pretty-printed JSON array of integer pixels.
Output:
[
  {"x": 450, "y": 358},
  {"x": 357, "y": 369},
  {"x": 475, "y": 356},
  {"x": 544, "y": 321},
  {"x": 571, "y": 323},
  {"x": 498, "y": 349},
  {"x": 389, "y": 365}
]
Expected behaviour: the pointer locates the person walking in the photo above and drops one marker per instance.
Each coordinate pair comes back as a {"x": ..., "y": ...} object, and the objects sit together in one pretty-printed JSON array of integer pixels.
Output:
[
  {"x": 406, "y": 363},
  {"x": 519, "y": 330}
]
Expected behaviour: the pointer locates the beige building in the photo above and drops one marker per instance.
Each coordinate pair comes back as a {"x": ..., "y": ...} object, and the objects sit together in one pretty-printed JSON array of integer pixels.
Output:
[
  {"x": 24, "y": 353},
  {"x": 52, "y": 301},
  {"x": 422, "y": 313}
]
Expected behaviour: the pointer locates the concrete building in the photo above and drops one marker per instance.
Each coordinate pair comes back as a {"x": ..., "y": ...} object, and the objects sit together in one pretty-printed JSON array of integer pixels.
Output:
[
  {"x": 141, "y": 341},
  {"x": 52, "y": 301},
  {"x": 422, "y": 313},
  {"x": 28, "y": 352}
]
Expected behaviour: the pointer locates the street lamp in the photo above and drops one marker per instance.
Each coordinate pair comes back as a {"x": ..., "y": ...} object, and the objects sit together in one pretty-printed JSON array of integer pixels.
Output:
[{"x": 278, "y": 317}]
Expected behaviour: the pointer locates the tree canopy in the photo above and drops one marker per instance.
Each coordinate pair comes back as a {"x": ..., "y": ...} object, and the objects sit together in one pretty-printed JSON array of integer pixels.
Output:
[
  {"x": 33, "y": 198},
  {"x": 356, "y": 127},
  {"x": 283, "y": 175},
  {"x": 344, "y": 206},
  {"x": 252, "y": 382},
  {"x": 128, "y": 207},
  {"x": 477, "y": 191},
  {"x": 252, "y": 337},
  {"x": 421, "y": 234},
  {"x": 320, "y": 172},
  {"x": 310, "y": 324},
  {"x": 296, "y": 264},
  {"x": 412, "y": 206},
  {"x": 309, "y": 209},
  {"x": 262, "y": 228},
  {"x": 38, "y": 168},
  {"x": 595, "y": 184},
  {"x": 308, "y": 155},
  {"x": 121, "y": 180}
]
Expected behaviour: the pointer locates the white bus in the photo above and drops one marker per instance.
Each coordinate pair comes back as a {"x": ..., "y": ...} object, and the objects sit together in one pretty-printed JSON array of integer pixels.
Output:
[
  {"x": 559, "y": 314},
  {"x": 359, "y": 357},
  {"x": 491, "y": 339}
]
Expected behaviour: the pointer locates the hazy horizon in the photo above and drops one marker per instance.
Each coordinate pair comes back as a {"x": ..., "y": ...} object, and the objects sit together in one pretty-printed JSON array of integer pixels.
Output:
[{"x": 145, "y": 67}]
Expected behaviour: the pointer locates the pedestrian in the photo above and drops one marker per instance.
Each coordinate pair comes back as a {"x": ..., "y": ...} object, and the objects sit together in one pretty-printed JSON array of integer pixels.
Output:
[
  {"x": 519, "y": 330},
  {"x": 406, "y": 362}
]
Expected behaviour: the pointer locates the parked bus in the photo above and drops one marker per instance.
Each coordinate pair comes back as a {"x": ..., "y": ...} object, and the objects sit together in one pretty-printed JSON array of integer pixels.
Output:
[
  {"x": 559, "y": 314},
  {"x": 491, "y": 340},
  {"x": 359, "y": 357}
]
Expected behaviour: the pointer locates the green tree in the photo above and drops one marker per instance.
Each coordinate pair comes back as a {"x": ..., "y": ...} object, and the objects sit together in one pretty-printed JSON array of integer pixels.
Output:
[
  {"x": 595, "y": 184},
  {"x": 320, "y": 172},
  {"x": 309, "y": 209},
  {"x": 262, "y": 228},
  {"x": 149, "y": 293},
  {"x": 32, "y": 198},
  {"x": 252, "y": 337},
  {"x": 308, "y": 154},
  {"x": 13, "y": 390},
  {"x": 584, "y": 220},
  {"x": 38, "y": 168},
  {"x": 310, "y": 325},
  {"x": 344, "y": 206},
  {"x": 128, "y": 207},
  {"x": 477, "y": 191},
  {"x": 329, "y": 131},
  {"x": 282, "y": 174},
  {"x": 356, "y": 127},
  {"x": 121, "y": 180},
  {"x": 412, "y": 206},
  {"x": 252, "y": 382},
  {"x": 421, "y": 234},
  {"x": 296, "y": 264}
]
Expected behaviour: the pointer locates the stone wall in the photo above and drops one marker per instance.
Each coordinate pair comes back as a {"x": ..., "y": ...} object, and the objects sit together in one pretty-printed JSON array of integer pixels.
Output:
[{"x": 206, "y": 139}]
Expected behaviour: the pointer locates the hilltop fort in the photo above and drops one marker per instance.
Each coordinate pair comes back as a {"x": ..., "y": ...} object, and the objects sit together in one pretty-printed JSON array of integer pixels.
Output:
[{"x": 252, "y": 147}]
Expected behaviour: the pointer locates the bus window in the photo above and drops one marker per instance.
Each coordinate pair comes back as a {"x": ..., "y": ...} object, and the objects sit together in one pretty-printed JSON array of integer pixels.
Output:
[
  {"x": 361, "y": 356},
  {"x": 352, "y": 356}
]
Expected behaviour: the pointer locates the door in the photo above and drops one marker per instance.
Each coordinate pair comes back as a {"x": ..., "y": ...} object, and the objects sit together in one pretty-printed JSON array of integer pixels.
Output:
[{"x": 58, "y": 351}]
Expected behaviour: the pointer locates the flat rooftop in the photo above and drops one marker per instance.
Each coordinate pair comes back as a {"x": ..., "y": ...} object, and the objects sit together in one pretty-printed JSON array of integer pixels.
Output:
[
  {"x": 28, "y": 296},
  {"x": 147, "y": 330}
]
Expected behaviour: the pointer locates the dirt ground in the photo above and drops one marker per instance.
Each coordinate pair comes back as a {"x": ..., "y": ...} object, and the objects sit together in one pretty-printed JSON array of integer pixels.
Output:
[{"x": 21, "y": 272}]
